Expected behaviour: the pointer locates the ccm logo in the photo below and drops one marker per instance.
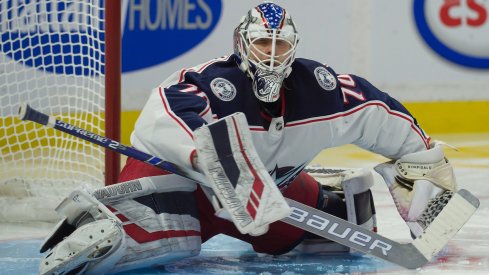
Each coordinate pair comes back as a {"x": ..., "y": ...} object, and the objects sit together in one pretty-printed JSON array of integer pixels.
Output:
[{"x": 353, "y": 236}]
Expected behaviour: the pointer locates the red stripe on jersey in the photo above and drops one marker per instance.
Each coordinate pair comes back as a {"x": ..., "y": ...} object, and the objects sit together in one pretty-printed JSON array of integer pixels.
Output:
[
  {"x": 361, "y": 107},
  {"x": 190, "y": 88},
  {"x": 206, "y": 110},
  {"x": 192, "y": 156},
  {"x": 184, "y": 71},
  {"x": 182, "y": 74},
  {"x": 282, "y": 96},
  {"x": 265, "y": 116},
  {"x": 173, "y": 116}
]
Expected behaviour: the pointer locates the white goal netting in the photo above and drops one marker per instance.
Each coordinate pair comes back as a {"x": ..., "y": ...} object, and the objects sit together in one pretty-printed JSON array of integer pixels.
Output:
[{"x": 51, "y": 57}]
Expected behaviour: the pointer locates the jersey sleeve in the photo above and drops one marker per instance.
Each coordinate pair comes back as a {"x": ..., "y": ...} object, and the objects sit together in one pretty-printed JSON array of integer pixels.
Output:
[
  {"x": 377, "y": 122},
  {"x": 166, "y": 124}
]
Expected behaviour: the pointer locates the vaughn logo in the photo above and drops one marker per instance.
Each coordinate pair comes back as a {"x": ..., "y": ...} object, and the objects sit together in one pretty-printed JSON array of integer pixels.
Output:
[
  {"x": 457, "y": 30},
  {"x": 118, "y": 189},
  {"x": 67, "y": 37}
]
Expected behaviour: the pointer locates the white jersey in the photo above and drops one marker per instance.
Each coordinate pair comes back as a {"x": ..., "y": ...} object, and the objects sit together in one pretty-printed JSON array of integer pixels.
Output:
[{"x": 317, "y": 109}]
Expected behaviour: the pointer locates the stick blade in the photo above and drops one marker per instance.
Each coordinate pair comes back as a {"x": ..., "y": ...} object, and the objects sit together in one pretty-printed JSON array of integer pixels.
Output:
[
  {"x": 409, "y": 255},
  {"x": 451, "y": 219}
]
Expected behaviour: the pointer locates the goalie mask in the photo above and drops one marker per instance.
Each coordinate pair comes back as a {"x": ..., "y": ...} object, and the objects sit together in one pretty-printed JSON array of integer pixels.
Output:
[{"x": 265, "y": 43}]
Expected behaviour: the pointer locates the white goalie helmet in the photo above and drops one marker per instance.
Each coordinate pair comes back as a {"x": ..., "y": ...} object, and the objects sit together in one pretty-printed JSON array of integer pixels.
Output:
[{"x": 265, "y": 42}]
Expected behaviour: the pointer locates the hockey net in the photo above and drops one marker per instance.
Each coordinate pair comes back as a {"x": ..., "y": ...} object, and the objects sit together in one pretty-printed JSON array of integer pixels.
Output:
[{"x": 52, "y": 56}]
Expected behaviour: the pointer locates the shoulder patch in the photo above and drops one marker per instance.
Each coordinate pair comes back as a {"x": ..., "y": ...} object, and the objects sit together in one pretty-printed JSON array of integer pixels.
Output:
[
  {"x": 223, "y": 89},
  {"x": 325, "y": 79}
]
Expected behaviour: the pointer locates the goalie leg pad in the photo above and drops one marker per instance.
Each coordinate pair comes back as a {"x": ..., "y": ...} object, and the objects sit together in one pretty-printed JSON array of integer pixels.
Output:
[
  {"x": 79, "y": 208},
  {"x": 143, "y": 231},
  {"x": 160, "y": 228},
  {"x": 87, "y": 246}
]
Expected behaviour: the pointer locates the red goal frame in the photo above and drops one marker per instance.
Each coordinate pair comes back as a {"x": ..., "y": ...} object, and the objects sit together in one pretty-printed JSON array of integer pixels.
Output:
[{"x": 113, "y": 73}]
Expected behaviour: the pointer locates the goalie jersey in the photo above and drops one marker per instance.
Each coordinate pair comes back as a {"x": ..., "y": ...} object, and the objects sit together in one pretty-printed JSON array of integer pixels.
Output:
[{"x": 317, "y": 109}]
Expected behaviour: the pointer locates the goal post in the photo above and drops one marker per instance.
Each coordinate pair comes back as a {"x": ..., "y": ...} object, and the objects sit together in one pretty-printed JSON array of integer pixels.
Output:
[
  {"x": 61, "y": 57},
  {"x": 112, "y": 86}
]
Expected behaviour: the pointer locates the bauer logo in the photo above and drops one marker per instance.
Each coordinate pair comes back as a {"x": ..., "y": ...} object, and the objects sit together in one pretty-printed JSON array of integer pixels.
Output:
[
  {"x": 457, "y": 30},
  {"x": 159, "y": 30},
  {"x": 55, "y": 36}
]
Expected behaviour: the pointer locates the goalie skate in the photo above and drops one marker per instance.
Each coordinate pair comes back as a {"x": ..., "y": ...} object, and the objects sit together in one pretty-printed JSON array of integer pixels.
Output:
[{"x": 82, "y": 250}]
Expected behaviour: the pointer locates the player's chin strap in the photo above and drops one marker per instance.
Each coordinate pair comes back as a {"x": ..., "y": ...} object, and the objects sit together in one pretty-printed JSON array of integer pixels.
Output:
[{"x": 240, "y": 181}]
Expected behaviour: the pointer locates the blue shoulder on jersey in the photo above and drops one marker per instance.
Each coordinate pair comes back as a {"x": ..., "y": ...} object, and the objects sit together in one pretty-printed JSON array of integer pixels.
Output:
[
  {"x": 369, "y": 92},
  {"x": 311, "y": 90},
  {"x": 310, "y": 85}
]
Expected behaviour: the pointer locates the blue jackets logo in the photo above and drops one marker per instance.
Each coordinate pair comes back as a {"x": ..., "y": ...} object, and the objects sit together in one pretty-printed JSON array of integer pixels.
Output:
[
  {"x": 59, "y": 36},
  {"x": 159, "y": 30},
  {"x": 457, "y": 30}
]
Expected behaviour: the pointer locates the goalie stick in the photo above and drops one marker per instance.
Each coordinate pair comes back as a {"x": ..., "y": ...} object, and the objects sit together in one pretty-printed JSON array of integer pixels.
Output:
[{"x": 411, "y": 255}]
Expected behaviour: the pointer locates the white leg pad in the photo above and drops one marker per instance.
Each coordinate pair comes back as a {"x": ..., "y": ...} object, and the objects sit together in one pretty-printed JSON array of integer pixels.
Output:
[
  {"x": 81, "y": 203},
  {"x": 85, "y": 248},
  {"x": 160, "y": 228},
  {"x": 153, "y": 229},
  {"x": 79, "y": 208}
]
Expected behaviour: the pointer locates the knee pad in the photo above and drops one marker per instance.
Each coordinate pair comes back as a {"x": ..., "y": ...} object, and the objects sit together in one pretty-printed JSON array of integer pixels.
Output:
[
  {"x": 345, "y": 194},
  {"x": 358, "y": 198}
]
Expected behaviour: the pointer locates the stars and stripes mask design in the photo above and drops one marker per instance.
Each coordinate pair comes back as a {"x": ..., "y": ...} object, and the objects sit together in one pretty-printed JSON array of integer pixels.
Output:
[{"x": 265, "y": 43}]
